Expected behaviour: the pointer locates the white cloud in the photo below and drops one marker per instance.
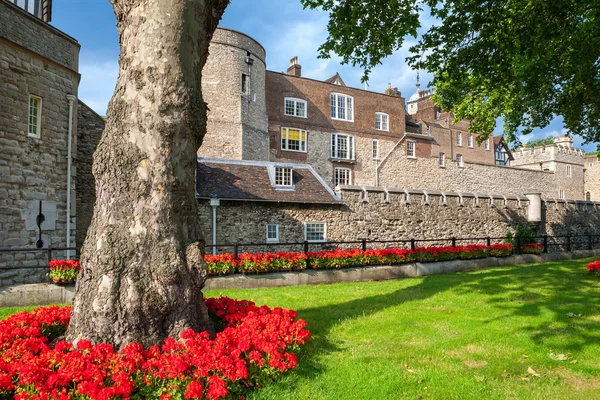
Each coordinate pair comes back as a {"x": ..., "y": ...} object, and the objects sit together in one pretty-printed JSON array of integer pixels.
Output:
[{"x": 98, "y": 80}]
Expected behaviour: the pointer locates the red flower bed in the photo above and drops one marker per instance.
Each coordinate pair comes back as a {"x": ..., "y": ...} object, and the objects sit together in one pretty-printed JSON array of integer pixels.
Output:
[
  {"x": 594, "y": 267},
  {"x": 501, "y": 250},
  {"x": 63, "y": 270},
  {"x": 532, "y": 248},
  {"x": 256, "y": 344},
  {"x": 271, "y": 262},
  {"x": 339, "y": 258}
]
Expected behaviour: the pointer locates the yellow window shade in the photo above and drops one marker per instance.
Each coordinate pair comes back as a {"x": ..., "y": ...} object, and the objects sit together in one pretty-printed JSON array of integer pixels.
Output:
[{"x": 295, "y": 134}]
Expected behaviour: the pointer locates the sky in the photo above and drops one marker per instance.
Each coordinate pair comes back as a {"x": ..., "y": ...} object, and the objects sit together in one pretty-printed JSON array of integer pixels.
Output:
[{"x": 284, "y": 29}]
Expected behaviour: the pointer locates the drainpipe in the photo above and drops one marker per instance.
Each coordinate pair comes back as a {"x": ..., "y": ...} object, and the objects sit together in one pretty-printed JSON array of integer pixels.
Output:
[
  {"x": 214, "y": 203},
  {"x": 71, "y": 98}
]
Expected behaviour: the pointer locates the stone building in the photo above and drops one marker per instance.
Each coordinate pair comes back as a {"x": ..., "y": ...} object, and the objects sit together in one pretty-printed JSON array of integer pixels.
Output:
[
  {"x": 374, "y": 150},
  {"x": 39, "y": 137},
  {"x": 592, "y": 177}
]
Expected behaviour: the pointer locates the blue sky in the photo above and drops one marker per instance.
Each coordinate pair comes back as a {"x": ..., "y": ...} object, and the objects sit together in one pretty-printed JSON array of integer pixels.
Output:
[{"x": 283, "y": 27}]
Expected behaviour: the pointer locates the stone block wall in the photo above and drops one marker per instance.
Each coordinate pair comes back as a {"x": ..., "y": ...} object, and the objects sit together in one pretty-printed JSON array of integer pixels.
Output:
[
  {"x": 89, "y": 129},
  {"x": 237, "y": 121},
  {"x": 31, "y": 33},
  {"x": 35, "y": 59},
  {"x": 399, "y": 171},
  {"x": 378, "y": 214},
  {"x": 592, "y": 177}
]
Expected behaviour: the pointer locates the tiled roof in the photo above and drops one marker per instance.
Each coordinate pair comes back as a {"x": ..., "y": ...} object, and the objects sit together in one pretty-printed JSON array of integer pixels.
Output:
[
  {"x": 334, "y": 78},
  {"x": 250, "y": 181}
]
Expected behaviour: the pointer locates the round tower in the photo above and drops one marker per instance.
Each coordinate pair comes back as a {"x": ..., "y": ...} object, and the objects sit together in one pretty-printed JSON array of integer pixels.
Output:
[{"x": 233, "y": 86}]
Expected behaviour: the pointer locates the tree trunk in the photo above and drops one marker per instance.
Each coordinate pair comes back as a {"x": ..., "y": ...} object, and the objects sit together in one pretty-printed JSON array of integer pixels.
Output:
[{"x": 143, "y": 269}]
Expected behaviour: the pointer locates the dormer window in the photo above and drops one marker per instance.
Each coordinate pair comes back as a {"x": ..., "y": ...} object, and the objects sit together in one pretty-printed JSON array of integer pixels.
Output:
[
  {"x": 342, "y": 107},
  {"x": 381, "y": 121},
  {"x": 295, "y": 107},
  {"x": 283, "y": 177}
]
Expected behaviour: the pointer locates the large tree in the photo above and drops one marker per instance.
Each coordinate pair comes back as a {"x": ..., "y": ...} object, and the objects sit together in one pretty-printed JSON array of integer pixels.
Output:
[
  {"x": 143, "y": 269},
  {"x": 526, "y": 61}
]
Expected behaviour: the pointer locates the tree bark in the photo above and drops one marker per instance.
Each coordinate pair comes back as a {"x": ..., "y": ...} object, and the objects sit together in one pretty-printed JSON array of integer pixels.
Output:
[{"x": 142, "y": 260}]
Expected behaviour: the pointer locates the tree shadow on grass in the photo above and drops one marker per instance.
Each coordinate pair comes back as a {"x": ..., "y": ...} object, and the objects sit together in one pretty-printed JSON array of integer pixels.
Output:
[{"x": 562, "y": 288}]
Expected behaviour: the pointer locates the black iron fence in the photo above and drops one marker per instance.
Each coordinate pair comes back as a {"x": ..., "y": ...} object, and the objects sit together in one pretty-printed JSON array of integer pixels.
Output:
[
  {"x": 550, "y": 244},
  {"x": 45, "y": 255}
]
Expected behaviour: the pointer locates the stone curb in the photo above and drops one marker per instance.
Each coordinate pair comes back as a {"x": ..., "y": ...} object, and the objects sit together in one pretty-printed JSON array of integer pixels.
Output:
[{"x": 44, "y": 293}]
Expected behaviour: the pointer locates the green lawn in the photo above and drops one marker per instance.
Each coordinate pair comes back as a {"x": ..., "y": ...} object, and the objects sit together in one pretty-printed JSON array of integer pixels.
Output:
[{"x": 461, "y": 336}]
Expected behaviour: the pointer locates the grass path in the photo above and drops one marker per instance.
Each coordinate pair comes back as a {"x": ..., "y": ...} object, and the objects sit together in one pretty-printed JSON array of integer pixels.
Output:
[{"x": 522, "y": 332}]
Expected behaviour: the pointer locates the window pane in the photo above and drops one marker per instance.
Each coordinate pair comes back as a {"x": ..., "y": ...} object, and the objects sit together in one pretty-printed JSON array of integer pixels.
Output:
[
  {"x": 289, "y": 107},
  {"x": 349, "y": 110},
  {"x": 283, "y": 176},
  {"x": 315, "y": 231},
  {"x": 333, "y": 106},
  {"x": 341, "y": 108},
  {"x": 300, "y": 109}
]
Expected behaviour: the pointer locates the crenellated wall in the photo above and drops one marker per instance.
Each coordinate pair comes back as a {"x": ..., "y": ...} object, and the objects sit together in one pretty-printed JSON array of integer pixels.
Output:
[{"x": 396, "y": 214}]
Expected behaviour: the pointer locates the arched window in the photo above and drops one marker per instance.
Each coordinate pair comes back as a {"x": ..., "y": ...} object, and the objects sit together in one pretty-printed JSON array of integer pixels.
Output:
[{"x": 588, "y": 196}]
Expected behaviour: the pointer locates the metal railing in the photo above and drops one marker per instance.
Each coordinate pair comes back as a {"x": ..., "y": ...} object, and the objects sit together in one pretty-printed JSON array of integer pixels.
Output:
[
  {"x": 48, "y": 251},
  {"x": 549, "y": 243}
]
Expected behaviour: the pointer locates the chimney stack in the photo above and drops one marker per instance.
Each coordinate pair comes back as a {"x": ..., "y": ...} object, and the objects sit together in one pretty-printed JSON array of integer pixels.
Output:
[
  {"x": 294, "y": 69},
  {"x": 392, "y": 91}
]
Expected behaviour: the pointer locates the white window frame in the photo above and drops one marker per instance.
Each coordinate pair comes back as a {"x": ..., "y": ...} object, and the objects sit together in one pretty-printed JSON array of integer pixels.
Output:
[
  {"x": 296, "y": 102},
  {"x": 334, "y": 104},
  {"x": 286, "y": 174},
  {"x": 470, "y": 140},
  {"x": 408, "y": 149},
  {"x": 306, "y": 224},
  {"x": 375, "y": 147},
  {"x": 569, "y": 171},
  {"x": 335, "y": 149},
  {"x": 285, "y": 140},
  {"x": 561, "y": 194},
  {"x": 276, "y": 238},
  {"x": 442, "y": 160},
  {"x": 347, "y": 175},
  {"x": 383, "y": 120},
  {"x": 487, "y": 144},
  {"x": 38, "y": 117},
  {"x": 458, "y": 139},
  {"x": 460, "y": 161}
]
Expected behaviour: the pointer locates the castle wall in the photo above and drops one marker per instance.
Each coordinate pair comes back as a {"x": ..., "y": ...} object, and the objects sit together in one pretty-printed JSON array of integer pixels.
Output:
[
  {"x": 89, "y": 129},
  {"x": 35, "y": 59},
  {"x": 592, "y": 177},
  {"x": 237, "y": 120},
  {"x": 400, "y": 171},
  {"x": 377, "y": 215}
]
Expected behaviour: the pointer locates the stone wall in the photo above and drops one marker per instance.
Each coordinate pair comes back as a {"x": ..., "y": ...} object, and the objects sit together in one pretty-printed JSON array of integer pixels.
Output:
[
  {"x": 592, "y": 177},
  {"x": 376, "y": 214},
  {"x": 31, "y": 33},
  {"x": 237, "y": 121},
  {"x": 89, "y": 129},
  {"x": 32, "y": 169},
  {"x": 400, "y": 171}
]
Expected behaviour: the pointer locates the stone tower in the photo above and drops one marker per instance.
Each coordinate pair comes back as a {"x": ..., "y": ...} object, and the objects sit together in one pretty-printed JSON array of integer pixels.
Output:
[{"x": 233, "y": 86}]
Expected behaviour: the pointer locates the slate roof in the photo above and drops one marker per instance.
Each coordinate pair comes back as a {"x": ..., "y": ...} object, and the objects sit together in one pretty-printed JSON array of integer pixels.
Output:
[{"x": 249, "y": 181}]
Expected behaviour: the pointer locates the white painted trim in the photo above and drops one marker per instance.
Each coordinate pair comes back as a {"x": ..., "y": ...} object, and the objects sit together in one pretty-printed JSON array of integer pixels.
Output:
[
  {"x": 324, "y": 231},
  {"x": 298, "y": 101}
]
